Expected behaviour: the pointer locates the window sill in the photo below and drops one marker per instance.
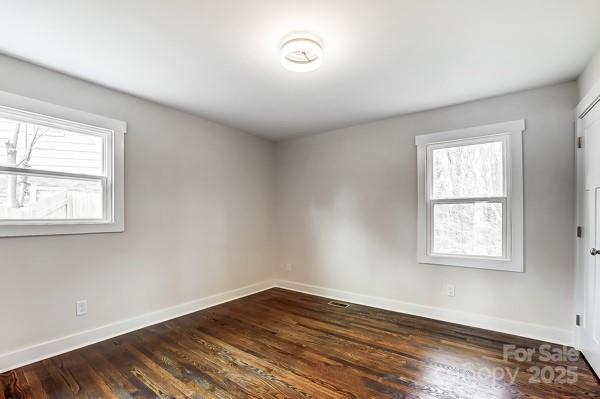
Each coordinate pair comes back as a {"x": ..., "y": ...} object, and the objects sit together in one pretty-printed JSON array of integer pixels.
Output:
[
  {"x": 60, "y": 229},
  {"x": 477, "y": 263}
]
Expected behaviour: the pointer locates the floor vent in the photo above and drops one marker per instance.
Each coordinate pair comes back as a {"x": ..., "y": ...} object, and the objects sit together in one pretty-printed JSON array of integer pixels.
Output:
[{"x": 338, "y": 304}]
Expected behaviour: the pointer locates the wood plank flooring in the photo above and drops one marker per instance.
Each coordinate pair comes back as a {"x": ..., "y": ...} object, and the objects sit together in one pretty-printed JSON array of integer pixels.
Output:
[{"x": 283, "y": 344}]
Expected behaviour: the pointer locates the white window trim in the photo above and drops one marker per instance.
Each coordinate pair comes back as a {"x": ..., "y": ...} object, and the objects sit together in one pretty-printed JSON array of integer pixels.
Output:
[
  {"x": 114, "y": 131},
  {"x": 512, "y": 259}
]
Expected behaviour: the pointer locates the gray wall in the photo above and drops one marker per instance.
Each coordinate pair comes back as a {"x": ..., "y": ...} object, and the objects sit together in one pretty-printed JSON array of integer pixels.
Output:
[
  {"x": 200, "y": 201},
  {"x": 199, "y": 198},
  {"x": 590, "y": 76},
  {"x": 347, "y": 211}
]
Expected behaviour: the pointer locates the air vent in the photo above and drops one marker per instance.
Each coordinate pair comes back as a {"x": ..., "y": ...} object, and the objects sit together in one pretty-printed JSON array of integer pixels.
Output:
[{"x": 338, "y": 304}]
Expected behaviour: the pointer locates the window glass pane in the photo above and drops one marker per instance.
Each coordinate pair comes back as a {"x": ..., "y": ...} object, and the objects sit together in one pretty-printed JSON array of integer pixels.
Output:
[
  {"x": 28, "y": 145},
  {"x": 468, "y": 171},
  {"x": 32, "y": 198},
  {"x": 468, "y": 229}
]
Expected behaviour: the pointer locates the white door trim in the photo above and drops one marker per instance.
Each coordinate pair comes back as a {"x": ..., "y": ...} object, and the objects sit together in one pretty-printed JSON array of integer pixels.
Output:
[{"x": 589, "y": 101}]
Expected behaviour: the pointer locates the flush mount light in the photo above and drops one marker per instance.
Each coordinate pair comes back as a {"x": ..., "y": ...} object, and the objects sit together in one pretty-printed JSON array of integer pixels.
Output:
[{"x": 301, "y": 52}]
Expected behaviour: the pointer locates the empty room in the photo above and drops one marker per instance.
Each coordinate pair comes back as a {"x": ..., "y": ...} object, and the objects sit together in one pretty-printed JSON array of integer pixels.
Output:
[{"x": 299, "y": 199}]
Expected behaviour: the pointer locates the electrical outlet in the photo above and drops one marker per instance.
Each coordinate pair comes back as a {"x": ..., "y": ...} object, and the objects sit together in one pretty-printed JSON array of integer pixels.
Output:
[
  {"x": 450, "y": 290},
  {"x": 81, "y": 307}
]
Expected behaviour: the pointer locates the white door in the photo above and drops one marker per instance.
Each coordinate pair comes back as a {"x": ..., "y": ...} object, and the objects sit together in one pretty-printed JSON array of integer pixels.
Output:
[{"x": 590, "y": 334}]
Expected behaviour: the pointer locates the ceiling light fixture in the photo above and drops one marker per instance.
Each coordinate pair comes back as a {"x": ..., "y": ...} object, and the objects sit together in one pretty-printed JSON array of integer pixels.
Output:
[{"x": 301, "y": 52}]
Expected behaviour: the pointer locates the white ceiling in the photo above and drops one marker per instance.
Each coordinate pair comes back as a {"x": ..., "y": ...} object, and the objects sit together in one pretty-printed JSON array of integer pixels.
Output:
[{"x": 220, "y": 58}]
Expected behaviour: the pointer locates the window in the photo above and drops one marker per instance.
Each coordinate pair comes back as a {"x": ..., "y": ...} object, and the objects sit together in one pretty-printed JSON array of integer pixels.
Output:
[
  {"x": 61, "y": 170},
  {"x": 471, "y": 197}
]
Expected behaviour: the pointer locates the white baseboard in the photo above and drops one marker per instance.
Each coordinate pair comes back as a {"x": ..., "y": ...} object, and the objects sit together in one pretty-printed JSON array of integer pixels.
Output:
[
  {"x": 44, "y": 350},
  {"x": 520, "y": 328}
]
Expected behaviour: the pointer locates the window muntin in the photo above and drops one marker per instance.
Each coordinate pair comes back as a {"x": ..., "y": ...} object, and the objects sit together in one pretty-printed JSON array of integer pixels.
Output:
[{"x": 53, "y": 171}]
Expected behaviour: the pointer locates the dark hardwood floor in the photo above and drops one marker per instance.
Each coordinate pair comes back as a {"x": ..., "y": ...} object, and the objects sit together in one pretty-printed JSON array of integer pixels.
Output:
[{"x": 283, "y": 344}]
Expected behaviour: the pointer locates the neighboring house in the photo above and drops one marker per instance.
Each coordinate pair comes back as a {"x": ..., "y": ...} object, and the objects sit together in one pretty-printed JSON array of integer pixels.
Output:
[{"x": 44, "y": 148}]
